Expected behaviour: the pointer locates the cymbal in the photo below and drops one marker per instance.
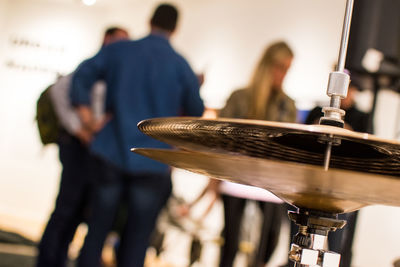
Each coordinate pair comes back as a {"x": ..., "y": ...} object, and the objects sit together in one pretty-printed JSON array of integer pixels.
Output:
[
  {"x": 284, "y": 158},
  {"x": 302, "y": 185},
  {"x": 288, "y": 142}
]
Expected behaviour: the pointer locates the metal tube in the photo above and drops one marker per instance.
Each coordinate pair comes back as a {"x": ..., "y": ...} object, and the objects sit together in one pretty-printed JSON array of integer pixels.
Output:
[
  {"x": 335, "y": 101},
  {"x": 327, "y": 158},
  {"x": 345, "y": 35}
]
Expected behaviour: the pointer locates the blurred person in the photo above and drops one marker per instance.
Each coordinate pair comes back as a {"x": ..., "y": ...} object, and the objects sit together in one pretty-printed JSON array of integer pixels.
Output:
[
  {"x": 262, "y": 99},
  {"x": 145, "y": 79},
  {"x": 341, "y": 241},
  {"x": 72, "y": 202}
]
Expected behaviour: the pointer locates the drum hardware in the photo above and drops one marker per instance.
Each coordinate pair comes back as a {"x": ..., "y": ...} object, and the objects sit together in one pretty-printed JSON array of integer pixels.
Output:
[
  {"x": 330, "y": 141},
  {"x": 363, "y": 170},
  {"x": 215, "y": 151},
  {"x": 287, "y": 159},
  {"x": 308, "y": 245},
  {"x": 307, "y": 248},
  {"x": 338, "y": 84}
]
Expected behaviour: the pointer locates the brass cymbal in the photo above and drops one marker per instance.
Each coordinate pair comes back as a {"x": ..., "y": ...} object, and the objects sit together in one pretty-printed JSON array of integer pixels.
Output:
[
  {"x": 287, "y": 142},
  {"x": 302, "y": 185},
  {"x": 284, "y": 158}
]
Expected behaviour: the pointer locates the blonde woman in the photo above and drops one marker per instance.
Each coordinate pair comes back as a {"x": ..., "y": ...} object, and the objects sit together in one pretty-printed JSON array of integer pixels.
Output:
[{"x": 262, "y": 99}]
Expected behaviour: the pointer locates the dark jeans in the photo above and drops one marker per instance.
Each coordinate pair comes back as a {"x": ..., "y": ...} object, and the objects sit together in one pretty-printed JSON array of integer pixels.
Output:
[
  {"x": 71, "y": 203},
  {"x": 144, "y": 194},
  {"x": 341, "y": 241},
  {"x": 233, "y": 212}
]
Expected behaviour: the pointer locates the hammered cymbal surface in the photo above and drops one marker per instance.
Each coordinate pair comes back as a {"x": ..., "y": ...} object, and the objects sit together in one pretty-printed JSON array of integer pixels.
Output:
[
  {"x": 284, "y": 158},
  {"x": 287, "y": 142}
]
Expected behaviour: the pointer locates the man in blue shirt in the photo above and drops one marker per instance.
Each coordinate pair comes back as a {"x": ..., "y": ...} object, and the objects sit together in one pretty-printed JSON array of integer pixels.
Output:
[
  {"x": 73, "y": 199},
  {"x": 145, "y": 79}
]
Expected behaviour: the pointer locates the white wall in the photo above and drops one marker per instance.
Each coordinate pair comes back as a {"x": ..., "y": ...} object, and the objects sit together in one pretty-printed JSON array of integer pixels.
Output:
[
  {"x": 59, "y": 36},
  {"x": 223, "y": 39}
]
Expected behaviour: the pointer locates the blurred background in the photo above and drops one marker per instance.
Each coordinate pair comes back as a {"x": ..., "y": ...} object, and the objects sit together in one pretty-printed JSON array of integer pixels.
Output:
[{"x": 220, "y": 38}]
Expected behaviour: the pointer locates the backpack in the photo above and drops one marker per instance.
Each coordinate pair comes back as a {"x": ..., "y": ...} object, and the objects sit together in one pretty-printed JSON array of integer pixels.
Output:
[{"x": 46, "y": 118}]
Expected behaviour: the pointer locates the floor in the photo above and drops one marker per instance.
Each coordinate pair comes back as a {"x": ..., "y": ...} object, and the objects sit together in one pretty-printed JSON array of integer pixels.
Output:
[{"x": 16, "y": 250}]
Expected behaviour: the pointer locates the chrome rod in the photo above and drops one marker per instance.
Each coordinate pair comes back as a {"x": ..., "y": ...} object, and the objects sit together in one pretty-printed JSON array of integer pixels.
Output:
[
  {"x": 345, "y": 35},
  {"x": 327, "y": 158}
]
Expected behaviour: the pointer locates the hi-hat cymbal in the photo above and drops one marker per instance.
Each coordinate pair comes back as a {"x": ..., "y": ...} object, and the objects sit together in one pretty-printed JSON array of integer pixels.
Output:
[
  {"x": 304, "y": 186},
  {"x": 288, "y": 142},
  {"x": 284, "y": 158}
]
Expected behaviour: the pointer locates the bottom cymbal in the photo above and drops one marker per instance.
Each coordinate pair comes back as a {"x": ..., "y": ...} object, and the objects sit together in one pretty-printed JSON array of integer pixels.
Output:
[{"x": 301, "y": 185}]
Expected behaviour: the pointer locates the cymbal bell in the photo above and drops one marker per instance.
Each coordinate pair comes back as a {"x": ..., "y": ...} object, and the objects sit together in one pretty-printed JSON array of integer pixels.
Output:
[{"x": 284, "y": 158}]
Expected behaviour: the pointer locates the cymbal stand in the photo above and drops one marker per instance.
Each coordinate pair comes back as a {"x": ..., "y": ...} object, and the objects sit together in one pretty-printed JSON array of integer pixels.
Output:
[
  {"x": 339, "y": 80},
  {"x": 308, "y": 246},
  {"x": 338, "y": 84}
]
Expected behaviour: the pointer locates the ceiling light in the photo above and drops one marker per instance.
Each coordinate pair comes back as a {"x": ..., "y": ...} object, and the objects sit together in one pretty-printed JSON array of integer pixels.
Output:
[{"x": 89, "y": 2}]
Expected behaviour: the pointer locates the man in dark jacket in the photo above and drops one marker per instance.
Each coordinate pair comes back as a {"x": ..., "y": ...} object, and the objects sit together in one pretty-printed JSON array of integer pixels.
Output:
[{"x": 145, "y": 79}]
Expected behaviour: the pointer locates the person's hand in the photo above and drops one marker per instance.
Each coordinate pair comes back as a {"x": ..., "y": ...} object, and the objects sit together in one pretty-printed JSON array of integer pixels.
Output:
[
  {"x": 89, "y": 122},
  {"x": 211, "y": 187},
  {"x": 84, "y": 136},
  {"x": 97, "y": 125},
  {"x": 200, "y": 77}
]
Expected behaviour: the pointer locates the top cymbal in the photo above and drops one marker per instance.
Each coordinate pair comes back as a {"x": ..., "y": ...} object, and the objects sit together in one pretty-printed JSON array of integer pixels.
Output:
[
  {"x": 287, "y": 142},
  {"x": 285, "y": 158}
]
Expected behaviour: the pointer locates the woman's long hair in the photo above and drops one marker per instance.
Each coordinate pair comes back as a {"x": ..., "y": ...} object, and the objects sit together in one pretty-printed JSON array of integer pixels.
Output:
[{"x": 260, "y": 85}]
